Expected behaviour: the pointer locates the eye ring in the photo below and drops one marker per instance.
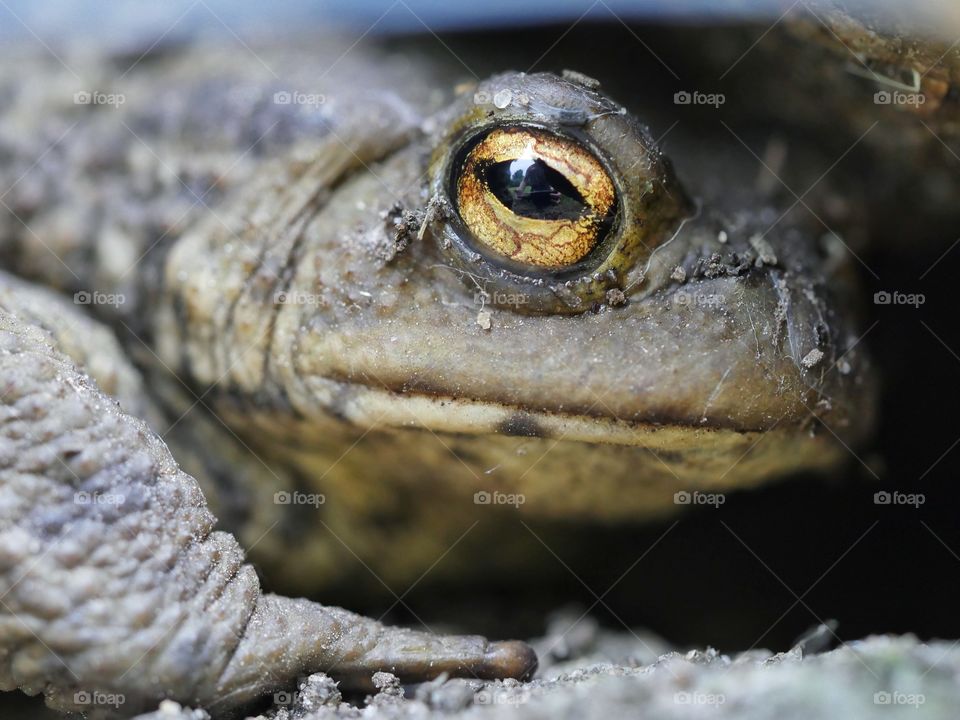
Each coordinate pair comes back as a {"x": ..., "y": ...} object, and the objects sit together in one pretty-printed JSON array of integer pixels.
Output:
[{"x": 648, "y": 206}]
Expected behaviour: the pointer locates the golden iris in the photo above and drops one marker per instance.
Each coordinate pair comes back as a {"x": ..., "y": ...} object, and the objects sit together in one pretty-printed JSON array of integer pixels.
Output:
[{"x": 534, "y": 197}]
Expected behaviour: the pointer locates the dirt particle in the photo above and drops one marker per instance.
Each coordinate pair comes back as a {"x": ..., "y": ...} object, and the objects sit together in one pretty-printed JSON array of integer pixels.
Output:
[
  {"x": 678, "y": 274},
  {"x": 783, "y": 306},
  {"x": 812, "y": 358},
  {"x": 616, "y": 298},
  {"x": 389, "y": 690},
  {"x": 402, "y": 226},
  {"x": 765, "y": 252},
  {"x": 484, "y": 319}
]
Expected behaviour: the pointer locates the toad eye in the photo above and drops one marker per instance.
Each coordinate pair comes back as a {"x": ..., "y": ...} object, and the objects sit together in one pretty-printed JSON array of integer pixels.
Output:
[
  {"x": 551, "y": 203},
  {"x": 536, "y": 198}
]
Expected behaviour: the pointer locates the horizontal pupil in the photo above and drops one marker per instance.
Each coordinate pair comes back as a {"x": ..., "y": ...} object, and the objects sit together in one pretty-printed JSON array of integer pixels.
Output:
[{"x": 531, "y": 188}]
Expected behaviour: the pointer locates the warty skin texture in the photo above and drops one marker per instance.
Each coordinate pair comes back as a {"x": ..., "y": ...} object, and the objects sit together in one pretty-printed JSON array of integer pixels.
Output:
[
  {"x": 673, "y": 389},
  {"x": 115, "y": 582},
  {"x": 599, "y": 413}
]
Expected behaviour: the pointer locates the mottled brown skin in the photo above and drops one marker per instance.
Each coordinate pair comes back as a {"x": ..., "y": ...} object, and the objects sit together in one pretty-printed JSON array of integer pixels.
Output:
[{"x": 323, "y": 296}]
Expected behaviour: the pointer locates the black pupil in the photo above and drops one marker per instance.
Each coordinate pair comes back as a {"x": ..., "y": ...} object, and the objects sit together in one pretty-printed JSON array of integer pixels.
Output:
[{"x": 531, "y": 188}]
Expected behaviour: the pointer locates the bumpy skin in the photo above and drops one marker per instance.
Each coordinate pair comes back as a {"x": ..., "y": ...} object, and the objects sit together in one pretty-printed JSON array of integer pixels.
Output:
[
  {"x": 202, "y": 201},
  {"x": 208, "y": 206},
  {"x": 114, "y": 582},
  {"x": 604, "y": 414}
]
